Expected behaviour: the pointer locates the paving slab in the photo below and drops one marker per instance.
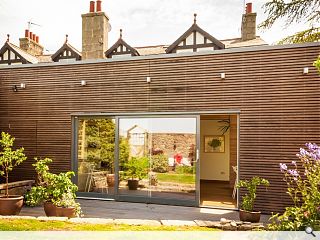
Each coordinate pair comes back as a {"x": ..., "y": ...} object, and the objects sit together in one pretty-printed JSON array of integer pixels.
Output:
[
  {"x": 18, "y": 217},
  {"x": 52, "y": 218},
  {"x": 137, "y": 222},
  {"x": 202, "y": 223},
  {"x": 92, "y": 220},
  {"x": 178, "y": 223}
]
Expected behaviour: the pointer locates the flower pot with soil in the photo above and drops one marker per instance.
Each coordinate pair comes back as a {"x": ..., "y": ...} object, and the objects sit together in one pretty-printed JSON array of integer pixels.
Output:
[
  {"x": 247, "y": 212},
  {"x": 9, "y": 158},
  {"x": 110, "y": 180}
]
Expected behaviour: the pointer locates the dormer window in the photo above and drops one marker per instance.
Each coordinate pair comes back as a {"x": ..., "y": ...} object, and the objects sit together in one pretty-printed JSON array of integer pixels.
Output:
[
  {"x": 121, "y": 49},
  {"x": 66, "y": 53},
  {"x": 195, "y": 39},
  {"x": 10, "y": 54}
]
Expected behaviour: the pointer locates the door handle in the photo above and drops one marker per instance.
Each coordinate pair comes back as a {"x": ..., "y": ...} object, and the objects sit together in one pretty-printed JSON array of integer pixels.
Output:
[{"x": 197, "y": 155}]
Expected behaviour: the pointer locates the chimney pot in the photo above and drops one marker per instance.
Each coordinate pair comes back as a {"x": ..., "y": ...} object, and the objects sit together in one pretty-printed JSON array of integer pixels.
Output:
[
  {"x": 248, "y": 8},
  {"x": 37, "y": 39},
  {"x": 33, "y": 37},
  {"x": 26, "y": 33},
  {"x": 91, "y": 6},
  {"x": 30, "y": 35},
  {"x": 98, "y": 5}
]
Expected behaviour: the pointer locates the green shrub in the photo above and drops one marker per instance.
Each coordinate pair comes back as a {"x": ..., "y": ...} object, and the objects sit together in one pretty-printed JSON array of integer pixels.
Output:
[
  {"x": 56, "y": 188},
  {"x": 136, "y": 168},
  {"x": 303, "y": 181},
  {"x": 159, "y": 163},
  {"x": 249, "y": 198},
  {"x": 184, "y": 169}
]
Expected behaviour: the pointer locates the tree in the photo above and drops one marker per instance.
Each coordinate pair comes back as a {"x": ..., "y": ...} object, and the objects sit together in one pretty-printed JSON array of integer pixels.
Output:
[
  {"x": 9, "y": 158},
  {"x": 294, "y": 11}
]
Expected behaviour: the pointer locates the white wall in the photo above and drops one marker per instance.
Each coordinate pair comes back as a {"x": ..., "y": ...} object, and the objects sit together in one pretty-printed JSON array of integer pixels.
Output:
[{"x": 214, "y": 166}]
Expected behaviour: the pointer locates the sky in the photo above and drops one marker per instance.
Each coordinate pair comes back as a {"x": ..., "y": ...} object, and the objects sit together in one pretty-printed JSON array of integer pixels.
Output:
[{"x": 144, "y": 22}]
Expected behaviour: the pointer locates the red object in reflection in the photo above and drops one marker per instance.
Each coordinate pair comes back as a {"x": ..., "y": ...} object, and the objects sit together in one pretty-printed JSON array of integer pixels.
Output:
[{"x": 177, "y": 158}]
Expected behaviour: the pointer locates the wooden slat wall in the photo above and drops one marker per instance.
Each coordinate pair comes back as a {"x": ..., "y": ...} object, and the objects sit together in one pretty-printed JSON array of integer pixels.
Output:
[{"x": 279, "y": 106}]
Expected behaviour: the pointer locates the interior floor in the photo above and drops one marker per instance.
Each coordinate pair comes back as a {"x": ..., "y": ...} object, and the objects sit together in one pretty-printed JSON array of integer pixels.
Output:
[{"x": 216, "y": 194}]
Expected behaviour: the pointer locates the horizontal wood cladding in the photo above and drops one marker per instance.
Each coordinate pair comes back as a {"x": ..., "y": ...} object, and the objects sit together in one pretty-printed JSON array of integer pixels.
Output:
[{"x": 280, "y": 107}]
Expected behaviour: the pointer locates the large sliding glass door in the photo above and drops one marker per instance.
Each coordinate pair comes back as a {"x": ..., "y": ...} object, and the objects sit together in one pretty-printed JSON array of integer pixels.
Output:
[
  {"x": 138, "y": 158},
  {"x": 161, "y": 160}
]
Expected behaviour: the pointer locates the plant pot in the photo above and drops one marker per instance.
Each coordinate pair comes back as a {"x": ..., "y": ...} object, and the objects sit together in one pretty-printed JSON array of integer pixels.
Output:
[
  {"x": 11, "y": 205},
  {"x": 69, "y": 212},
  {"x": 50, "y": 209},
  {"x": 247, "y": 216},
  {"x": 110, "y": 180},
  {"x": 133, "y": 184}
]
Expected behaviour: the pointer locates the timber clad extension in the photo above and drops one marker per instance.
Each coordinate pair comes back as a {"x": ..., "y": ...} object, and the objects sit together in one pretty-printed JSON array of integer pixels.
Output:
[{"x": 279, "y": 106}]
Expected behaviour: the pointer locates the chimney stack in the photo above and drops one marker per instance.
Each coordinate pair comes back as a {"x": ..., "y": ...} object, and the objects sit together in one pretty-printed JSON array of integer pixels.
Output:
[
  {"x": 95, "y": 30},
  {"x": 248, "y": 25},
  {"x": 30, "y": 43},
  {"x": 248, "y": 8},
  {"x": 98, "y": 5},
  {"x": 91, "y": 6}
]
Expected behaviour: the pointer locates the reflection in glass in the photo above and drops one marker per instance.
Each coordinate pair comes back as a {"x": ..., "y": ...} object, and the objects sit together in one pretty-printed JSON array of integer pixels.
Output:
[
  {"x": 96, "y": 155},
  {"x": 161, "y": 158}
]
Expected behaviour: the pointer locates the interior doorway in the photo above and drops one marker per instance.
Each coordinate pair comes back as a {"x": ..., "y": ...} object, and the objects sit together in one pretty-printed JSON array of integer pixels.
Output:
[{"x": 218, "y": 160}]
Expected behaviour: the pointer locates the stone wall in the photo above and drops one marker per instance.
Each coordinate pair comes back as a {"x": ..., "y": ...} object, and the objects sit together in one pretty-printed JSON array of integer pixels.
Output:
[{"x": 172, "y": 143}]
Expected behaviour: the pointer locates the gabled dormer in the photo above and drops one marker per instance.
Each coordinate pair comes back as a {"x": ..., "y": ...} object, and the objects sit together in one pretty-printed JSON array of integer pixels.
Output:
[
  {"x": 10, "y": 54},
  {"x": 66, "y": 53},
  {"x": 121, "y": 49},
  {"x": 195, "y": 39}
]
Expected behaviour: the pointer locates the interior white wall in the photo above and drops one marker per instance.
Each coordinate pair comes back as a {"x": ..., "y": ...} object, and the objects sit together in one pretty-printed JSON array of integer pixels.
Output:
[{"x": 214, "y": 166}]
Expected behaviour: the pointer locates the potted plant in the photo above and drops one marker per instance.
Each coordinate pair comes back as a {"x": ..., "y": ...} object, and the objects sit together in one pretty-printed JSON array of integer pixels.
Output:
[
  {"x": 9, "y": 158},
  {"x": 66, "y": 206},
  {"x": 135, "y": 170},
  {"x": 247, "y": 212},
  {"x": 53, "y": 190}
]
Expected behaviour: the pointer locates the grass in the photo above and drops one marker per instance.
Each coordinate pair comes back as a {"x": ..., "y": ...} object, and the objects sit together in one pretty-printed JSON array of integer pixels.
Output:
[
  {"x": 176, "y": 178},
  {"x": 37, "y": 225}
]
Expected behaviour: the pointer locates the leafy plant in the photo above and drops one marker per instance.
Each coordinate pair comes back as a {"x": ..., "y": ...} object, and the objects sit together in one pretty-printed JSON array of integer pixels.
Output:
[
  {"x": 251, "y": 186},
  {"x": 159, "y": 163},
  {"x": 55, "y": 188},
  {"x": 136, "y": 168},
  {"x": 9, "y": 158},
  {"x": 292, "y": 11},
  {"x": 67, "y": 200},
  {"x": 225, "y": 127},
  {"x": 184, "y": 169},
  {"x": 304, "y": 190}
]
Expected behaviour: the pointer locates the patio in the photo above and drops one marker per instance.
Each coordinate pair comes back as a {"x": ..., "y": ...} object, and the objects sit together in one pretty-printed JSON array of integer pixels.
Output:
[{"x": 125, "y": 210}]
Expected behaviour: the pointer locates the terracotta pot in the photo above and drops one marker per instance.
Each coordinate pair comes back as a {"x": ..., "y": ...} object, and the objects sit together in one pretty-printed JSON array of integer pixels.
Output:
[
  {"x": 50, "y": 209},
  {"x": 110, "y": 180},
  {"x": 11, "y": 205},
  {"x": 133, "y": 184},
  {"x": 66, "y": 212},
  {"x": 246, "y": 216}
]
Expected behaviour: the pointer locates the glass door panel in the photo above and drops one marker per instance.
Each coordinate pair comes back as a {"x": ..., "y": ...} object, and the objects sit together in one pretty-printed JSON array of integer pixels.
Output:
[
  {"x": 159, "y": 153},
  {"x": 172, "y": 158},
  {"x": 133, "y": 157},
  {"x": 96, "y": 145}
]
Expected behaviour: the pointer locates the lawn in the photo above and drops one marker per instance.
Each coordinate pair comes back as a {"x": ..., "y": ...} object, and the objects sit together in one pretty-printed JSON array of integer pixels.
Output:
[
  {"x": 176, "y": 178},
  {"x": 37, "y": 225}
]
